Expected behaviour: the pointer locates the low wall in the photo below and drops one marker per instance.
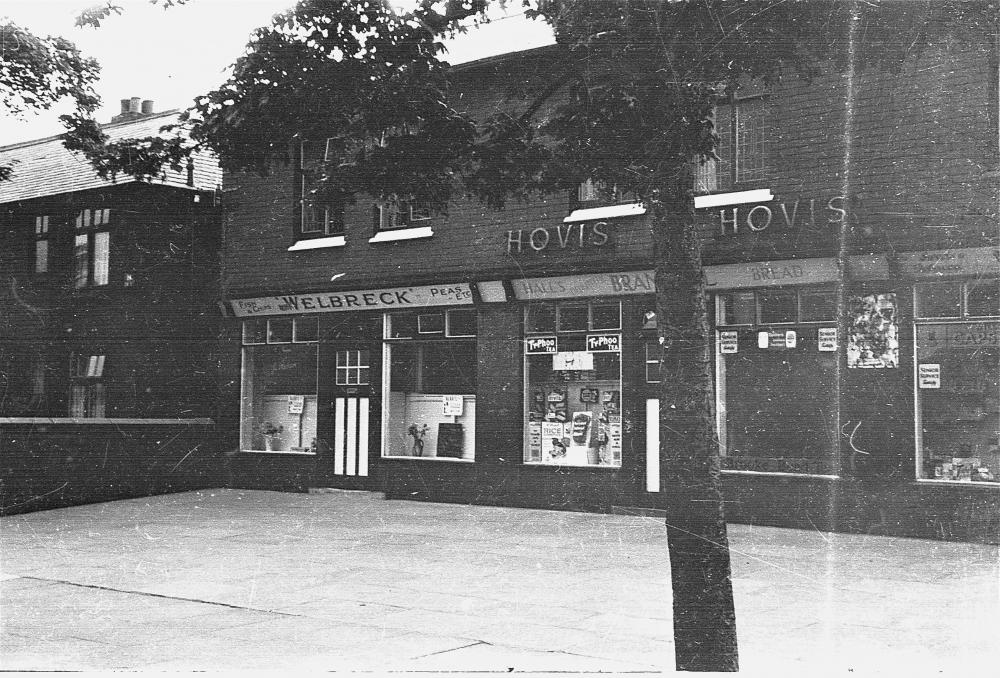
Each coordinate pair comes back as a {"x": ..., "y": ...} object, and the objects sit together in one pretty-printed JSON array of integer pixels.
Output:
[{"x": 51, "y": 463}]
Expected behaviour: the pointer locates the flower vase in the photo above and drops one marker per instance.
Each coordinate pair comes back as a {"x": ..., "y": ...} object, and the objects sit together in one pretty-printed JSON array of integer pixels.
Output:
[
  {"x": 268, "y": 444},
  {"x": 418, "y": 448}
]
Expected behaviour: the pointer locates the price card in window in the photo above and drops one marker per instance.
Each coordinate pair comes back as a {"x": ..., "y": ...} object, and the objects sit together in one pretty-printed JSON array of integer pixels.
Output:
[
  {"x": 828, "y": 339},
  {"x": 453, "y": 405},
  {"x": 296, "y": 404},
  {"x": 729, "y": 341},
  {"x": 929, "y": 375}
]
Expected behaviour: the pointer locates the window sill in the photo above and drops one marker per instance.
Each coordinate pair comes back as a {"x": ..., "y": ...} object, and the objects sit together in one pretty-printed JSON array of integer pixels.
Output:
[
  {"x": 960, "y": 483},
  {"x": 102, "y": 420},
  {"x": 781, "y": 474},
  {"x": 608, "y": 212},
  {"x": 318, "y": 243},
  {"x": 447, "y": 459},
  {"x": 402, "y": 234},
  {"x": 733, "y": 198},
  {"x": 596, "y": 467},
  {"x": 296, "y": 453}
]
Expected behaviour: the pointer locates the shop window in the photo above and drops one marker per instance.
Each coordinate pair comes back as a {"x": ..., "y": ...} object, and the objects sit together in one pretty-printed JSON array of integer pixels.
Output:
[
  {"x": 87, "y": 388},
  {"x": 573, "y": 385},
  {"x": 41, "y": 244},
  {"x": 592, "y": 193},
  {"x": 776, "y": 394},
  {"x": 279, "y": 406},
  {"x": 872, "y": 336},
  {"x": 983, "y": 298},
  {"x": 958, "y": 401},
  {"x": 430, "y": 411}
]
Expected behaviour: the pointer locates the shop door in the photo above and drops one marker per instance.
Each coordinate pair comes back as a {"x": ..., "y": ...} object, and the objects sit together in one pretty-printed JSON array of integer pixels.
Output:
[{"x": 354, "y": 397}]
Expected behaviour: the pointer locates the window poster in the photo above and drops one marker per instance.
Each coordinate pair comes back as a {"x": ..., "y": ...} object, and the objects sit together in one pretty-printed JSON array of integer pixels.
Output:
[
  {"x": 572, "y": 360},
  {"x": 929, "y": 375},
  {"x": 553, "y": 446},
  {"x": 534, "y": 441},
  {"x": 827, "y": 339},
  {"x": 453, "y": 405},
  {"x": 296, "y": 404},
  {"x": 729, "y": 341},
  {"x": 872, "y": 336}
]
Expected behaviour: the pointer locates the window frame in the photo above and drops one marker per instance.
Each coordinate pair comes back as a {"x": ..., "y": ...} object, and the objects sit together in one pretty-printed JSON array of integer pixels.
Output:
[
  {"x": 963, "y": 304},
  {"x": 42, "y": 250},
  {"x": 729, "y": 172},
  {"x": 92, "y": 248},
  {"x": 720, "y": 320},
  {"x": 332, "y": 216},
  {"x": 90, "y": 386}
]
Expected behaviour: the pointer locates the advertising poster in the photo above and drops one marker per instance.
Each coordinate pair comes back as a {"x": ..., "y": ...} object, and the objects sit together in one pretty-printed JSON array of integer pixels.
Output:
[
  {"x": 929, "y": 375},
  {"x": 534, "y": 441},
  {"x": 552, "y": 441},
  {"x": 296, "y": 404},
  {"x": 573, "y": 360},
  {"x": 454, "y": 405},
  {"x": 827, "y": 339}
]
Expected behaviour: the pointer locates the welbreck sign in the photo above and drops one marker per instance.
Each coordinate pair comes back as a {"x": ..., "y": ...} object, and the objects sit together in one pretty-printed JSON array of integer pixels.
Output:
[{"x": 362, "y": 300}]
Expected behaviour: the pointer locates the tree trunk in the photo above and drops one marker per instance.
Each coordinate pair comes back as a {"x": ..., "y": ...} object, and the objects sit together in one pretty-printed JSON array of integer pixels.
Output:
[{"x": 704, "y": 617}]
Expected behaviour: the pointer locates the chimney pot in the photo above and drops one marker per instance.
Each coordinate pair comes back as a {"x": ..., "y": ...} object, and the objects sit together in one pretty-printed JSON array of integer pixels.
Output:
[
  {"x": 124, "y": 105},
  {"x": 147, "y": 107},
  {"x": 133, "y": 105}
]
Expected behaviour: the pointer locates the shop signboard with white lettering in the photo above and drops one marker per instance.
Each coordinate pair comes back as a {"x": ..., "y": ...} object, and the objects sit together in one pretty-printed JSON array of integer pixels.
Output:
[
  {"x": 827, "y": 339},
  {"x": 388, "y": 299},
  {"x": 604, "y": 343},
  {"x": 929, "y": 375},
  {"x": 729, "y": 341},
  {"x": 575, "y": 286},
  {"x": 961, "y": 261},
  {"x": 534, "y": 345},
  {"x": 572, "y": 360}
]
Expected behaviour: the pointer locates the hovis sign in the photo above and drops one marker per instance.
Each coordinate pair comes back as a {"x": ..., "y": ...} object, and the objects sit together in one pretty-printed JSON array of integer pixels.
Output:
[{"x": 361, "y": 300}]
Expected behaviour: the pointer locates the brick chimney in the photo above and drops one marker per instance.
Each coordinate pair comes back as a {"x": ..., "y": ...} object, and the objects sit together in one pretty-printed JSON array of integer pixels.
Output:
[{"x": 134, "y": 108}]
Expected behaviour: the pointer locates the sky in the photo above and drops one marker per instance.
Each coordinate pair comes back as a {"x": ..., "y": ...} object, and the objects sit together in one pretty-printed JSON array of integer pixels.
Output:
[{"x": 173, "y": 55}]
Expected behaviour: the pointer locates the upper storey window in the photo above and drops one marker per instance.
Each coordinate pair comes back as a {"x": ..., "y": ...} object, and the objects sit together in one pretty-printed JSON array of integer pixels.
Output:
[
  {"x": 92, "y": 248},
  {"x": 314, "y": 218},
  {"x": 742, "y": 150},
  {"x": 41, "y": 244}
]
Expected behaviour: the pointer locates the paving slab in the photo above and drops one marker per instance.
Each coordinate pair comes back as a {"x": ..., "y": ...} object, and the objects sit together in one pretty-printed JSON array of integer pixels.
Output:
[{"x": 346, "y": 581}]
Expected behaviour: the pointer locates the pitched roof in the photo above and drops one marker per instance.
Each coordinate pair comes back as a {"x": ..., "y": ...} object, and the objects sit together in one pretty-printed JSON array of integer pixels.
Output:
[{"x": 44, "y": 167}]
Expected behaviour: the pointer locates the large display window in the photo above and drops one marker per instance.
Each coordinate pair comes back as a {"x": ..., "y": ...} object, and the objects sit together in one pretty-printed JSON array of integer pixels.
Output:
[
  {"x": 958, "y": 380},
  {"x": 278, "y": 408},
  {"x": 430, "y": 395},
  {"x": 776, "y": 372},
  {"x": 573, "y": 384}
]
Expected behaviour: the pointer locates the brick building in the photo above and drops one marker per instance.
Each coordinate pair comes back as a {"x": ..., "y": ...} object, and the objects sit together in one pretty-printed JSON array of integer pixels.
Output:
[
  {"x": 108, "y": 322},
  {"x": 506, "y": 357}
]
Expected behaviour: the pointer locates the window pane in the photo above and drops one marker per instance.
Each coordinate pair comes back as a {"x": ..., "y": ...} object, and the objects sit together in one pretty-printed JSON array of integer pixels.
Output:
[
  {"x": 102, "y": 254},
  {"x": 422, "y": 374},
  {"x": 606, "y": 316},
  {"x": 306, "y": 329},
  {"x": 81, "y": 261},
  {"x": 817, "y": 305},
  {"x": 750, "y": 136},
  {"x": 652, "y": 362},
  {"x": 279, "y": 398},
  {"x": 737, "y": 308},
  {"x": 777, "y": 306},
  {"x": 254, "y": 331},
  {"x": 279, "y": 330},
  {"x": 461, "y": 323},
  {"x": 541, "y": 318},
  {"x": 939, "y": 300},
  {"x": 430, "y": 323},
  {"x": 573, "y": 318},
  {"x": 402, "y": 325},
  {"x": 984, "y": 298},
  {"x": 41, "y": 256}
]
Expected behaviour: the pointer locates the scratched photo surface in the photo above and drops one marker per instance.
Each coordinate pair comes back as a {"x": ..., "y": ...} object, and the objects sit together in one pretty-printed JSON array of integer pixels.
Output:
[{"x": 565, "y": 336}]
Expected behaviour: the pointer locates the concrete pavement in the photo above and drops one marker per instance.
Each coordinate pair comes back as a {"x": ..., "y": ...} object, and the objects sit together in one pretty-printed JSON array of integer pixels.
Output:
[{"x": 231, "y": 579}]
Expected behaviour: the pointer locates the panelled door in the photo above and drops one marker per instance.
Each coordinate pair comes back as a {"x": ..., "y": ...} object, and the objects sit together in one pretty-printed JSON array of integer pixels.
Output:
[{"x": 353, "y": 401}]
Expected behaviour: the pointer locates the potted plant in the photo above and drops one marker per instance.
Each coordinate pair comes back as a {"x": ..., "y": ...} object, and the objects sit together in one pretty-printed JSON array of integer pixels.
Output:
[
  {"x": 269, "y": 431},
  {"x": 417, "y": 433}
]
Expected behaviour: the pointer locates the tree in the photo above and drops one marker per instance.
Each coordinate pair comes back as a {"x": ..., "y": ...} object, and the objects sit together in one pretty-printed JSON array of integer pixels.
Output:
[{"x": 627, "y": 103}]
